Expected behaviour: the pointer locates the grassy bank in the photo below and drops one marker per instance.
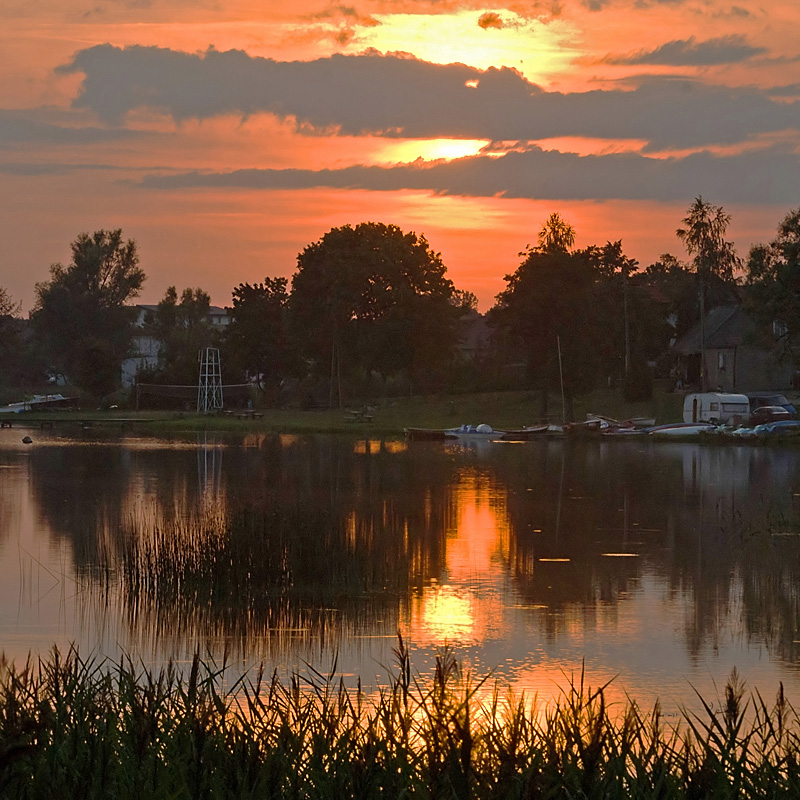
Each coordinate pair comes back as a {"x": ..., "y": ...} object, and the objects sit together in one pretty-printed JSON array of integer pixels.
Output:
[
  {"x": 76, "y": 729},
  {"x": 387, "y": 416}
]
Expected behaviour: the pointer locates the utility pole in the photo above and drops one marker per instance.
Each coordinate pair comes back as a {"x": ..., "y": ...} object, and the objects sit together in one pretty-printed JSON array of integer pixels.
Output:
[
  {"x": 701, "y": 282},
  {"x": 625, "y": 272}
]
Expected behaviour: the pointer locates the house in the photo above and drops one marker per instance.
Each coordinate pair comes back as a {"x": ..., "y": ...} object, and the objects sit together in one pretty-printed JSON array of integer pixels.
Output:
[
  {"x": 475, "y": 336},
  {"x": 741, "y": 354},
  {"x": 145, "y": 349}
]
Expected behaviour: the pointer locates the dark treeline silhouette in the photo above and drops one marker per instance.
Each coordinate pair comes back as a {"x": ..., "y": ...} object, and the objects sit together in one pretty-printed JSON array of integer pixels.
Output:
[{"x": 370, "y": 312}]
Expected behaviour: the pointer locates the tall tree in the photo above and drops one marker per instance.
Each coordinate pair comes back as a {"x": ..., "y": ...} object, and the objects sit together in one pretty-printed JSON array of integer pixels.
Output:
[
  {"x": 8, "y": 308},
  {"x": 257, "y": 341},
  {"x": 614, "y": 269},
  {"x": 556, "y": 235},
  {"x": 713, "y": 257},
  {"x": 674, "y": 288},
  {"x": 549, "y": 307},
  {"x": 773, "y": 281},
  {"x": 372, "y": 299},
  {"x": 80, "y": 317},
  {"x": 11, "y": 340}
]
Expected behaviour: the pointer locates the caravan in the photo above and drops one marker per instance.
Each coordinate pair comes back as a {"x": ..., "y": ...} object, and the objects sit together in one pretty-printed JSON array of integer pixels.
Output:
[{"x": 721, "y": 409}]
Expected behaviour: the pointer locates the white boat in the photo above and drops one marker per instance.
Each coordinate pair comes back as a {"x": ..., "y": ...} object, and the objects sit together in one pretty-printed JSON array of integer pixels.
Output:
[
  {"x": 473, "y": 432},
  {"x": 37, "y": 403},
  {"x": 681, "y": 429}
]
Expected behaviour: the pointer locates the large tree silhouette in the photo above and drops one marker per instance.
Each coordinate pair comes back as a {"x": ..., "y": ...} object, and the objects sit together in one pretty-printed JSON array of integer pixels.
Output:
[
  {"x": 714, "y": 260},
  {"x": 80, "y": 317},
  {"x": 549, "y": 308},
  {"x": 773, "y": 280},
  {"x": 373, "y": 299}
]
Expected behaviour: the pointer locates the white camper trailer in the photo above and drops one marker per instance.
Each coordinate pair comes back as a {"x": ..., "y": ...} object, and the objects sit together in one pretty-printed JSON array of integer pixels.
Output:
[{"x": 723, "y": 409}]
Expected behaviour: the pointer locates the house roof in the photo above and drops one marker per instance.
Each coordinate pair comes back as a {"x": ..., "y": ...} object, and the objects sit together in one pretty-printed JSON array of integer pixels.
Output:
[
  {"x": 212, "y": 310},
  {"x": 725, "y": 326}
]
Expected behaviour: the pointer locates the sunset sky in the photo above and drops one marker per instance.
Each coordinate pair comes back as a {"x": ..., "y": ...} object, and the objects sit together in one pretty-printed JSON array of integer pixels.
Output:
[{"x": 225, "y": 135}]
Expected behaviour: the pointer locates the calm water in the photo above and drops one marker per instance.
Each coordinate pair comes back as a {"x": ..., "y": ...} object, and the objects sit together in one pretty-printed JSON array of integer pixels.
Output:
[{"x": 664, "y": 565}]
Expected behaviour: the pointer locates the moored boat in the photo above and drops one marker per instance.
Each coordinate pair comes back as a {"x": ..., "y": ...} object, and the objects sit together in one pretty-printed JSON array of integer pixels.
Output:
[
  {"x": 529, "y": 432},
  {"x": 681, "y": 429},
  {"x": 473, "y": 432}
]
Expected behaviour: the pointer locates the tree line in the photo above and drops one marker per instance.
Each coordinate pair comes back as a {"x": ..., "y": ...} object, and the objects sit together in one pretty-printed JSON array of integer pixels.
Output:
[{"x": 370, "y": 310}]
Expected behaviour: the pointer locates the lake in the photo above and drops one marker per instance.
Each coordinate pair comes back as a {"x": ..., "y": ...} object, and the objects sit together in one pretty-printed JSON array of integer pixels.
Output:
[{"x": 659, "y": 565}]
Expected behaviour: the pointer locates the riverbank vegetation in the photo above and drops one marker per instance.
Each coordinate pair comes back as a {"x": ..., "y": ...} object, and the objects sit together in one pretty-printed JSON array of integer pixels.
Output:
[
  {"x": 388, "y": 416},
  {"x": 371, "y": 313},
  {"x": 71, "y": 727}
]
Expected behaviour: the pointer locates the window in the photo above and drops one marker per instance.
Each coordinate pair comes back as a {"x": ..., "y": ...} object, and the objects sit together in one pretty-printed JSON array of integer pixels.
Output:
[{"x": 779, "y": 329}]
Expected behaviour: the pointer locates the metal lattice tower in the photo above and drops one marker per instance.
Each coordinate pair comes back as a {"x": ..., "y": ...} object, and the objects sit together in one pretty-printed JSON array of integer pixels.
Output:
[{"x": 209, "y": 387}]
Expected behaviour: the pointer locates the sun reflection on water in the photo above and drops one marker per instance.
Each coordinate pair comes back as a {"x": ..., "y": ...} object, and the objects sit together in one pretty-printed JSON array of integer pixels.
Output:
[{"x": 466, "y": 603}]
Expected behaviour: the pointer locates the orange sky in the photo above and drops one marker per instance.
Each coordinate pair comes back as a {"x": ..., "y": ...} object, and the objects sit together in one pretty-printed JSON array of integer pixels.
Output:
[{"x": 225, "y": 139}]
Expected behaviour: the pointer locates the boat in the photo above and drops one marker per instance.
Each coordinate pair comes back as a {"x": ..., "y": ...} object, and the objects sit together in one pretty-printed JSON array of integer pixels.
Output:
[
  {"x": 482, "y": 432},
  {"x": 529, "y": 432},
  {"x": 38, "y": 402},
  {"x": 474, "y": 432},
  {"x": 681, "y": 429},
  {"x": 641, "y": 422}
]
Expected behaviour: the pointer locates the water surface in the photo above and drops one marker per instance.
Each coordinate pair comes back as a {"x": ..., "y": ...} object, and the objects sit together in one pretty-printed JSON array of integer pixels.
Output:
[{"x": 659, "y": 565}]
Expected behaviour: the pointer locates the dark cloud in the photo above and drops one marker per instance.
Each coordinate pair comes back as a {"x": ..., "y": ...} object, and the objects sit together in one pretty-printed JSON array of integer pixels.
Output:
[
  {"x": 768, "y": 176},
  {"x": 18, "y": 129},
  {"x": 372, "y": 94},
  {"x": 490, "y": 20},
  {"x": 690, "y": 52},
  {"x": 790, "y": 90},
  {"x": 349, "y": 13},
  {"x": 34, "y": 170}
]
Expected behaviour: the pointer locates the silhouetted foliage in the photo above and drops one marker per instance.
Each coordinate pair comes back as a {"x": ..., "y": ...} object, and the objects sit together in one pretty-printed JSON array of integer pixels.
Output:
[
  {"x": 183, "y": 328},
  {"x": 773, "y": 281},
  {"x": 556, "y": 235},
  {"x": 376, "y": 300},
  {"x": 548, "y": 306},
  {"x": 14, "y": 361},
  {"x": 80, "y": 318},
  {"x": 257, "y": 344}
]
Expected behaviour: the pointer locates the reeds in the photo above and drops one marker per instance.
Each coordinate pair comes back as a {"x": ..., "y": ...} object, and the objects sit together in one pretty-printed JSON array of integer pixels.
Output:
[
  {"x": 75, "y": 728},
  {"x": 252, "y": 572}
]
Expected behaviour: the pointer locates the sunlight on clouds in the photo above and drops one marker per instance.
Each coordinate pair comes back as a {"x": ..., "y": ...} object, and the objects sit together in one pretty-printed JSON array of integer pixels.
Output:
[
  {"x": 409, "y": 150},
  {"x": 533, "y": 48}
]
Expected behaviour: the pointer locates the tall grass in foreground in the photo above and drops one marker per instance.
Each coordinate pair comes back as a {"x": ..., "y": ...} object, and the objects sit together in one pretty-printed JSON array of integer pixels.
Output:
[{"x": 72, "y": 728}]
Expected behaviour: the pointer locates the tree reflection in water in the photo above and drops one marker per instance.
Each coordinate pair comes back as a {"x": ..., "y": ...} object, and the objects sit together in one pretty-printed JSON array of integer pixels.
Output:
[{"x": 280, "y": 545}]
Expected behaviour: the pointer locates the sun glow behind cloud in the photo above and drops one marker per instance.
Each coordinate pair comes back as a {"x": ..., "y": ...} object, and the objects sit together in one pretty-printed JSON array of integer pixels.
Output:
[
  {"x": 535, "y": 49},
  {"x": 409, "y": 150}
]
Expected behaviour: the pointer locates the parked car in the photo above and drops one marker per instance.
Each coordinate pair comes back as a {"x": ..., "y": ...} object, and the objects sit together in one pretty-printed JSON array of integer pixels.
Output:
[
  {"x": 758, "y": 399},
  {"x": 764, "y": 414}
]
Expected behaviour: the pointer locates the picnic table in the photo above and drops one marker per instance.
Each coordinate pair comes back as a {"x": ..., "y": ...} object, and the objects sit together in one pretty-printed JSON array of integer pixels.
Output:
[
  {"x": 358, "y": 414},
  {"x": 246, "y": 413}
]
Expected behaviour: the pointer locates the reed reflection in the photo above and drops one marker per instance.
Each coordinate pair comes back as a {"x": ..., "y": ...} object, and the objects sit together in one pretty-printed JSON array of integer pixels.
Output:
[
  {"x": 307, "y": 543},
  {"x": 281, "y": 545}
]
